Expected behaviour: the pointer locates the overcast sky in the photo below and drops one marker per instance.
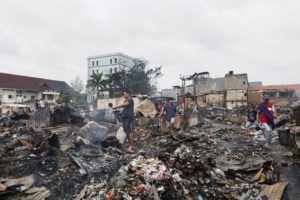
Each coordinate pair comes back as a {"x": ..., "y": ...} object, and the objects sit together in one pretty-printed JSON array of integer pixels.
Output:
[{"x": 53, "y": 38}]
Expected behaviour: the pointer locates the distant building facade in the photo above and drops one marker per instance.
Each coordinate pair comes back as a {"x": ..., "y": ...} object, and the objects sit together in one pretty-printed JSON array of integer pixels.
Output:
[
  {"x": 172, "y": 92},
  {"x": 280, "y": 94},
  {"x": 229, "y": 91},
  {"x": 18, "y": 89},
  {"x": 236, "y": 87},
  {"x": 109, "y": 63}
]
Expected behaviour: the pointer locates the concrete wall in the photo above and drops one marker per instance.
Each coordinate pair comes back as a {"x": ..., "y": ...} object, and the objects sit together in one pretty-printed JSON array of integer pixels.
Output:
[
  {"x": 236, "y": 82},
  {"x": 201, "y": 100},
  {"x": 236, "y": 95},
  {"x": 231, "y": 105},
  {"x": 236, "y": 98},
  {"x": 205, "y": 86},
  {"x": 171, "y": 93},
  {"x": 189, "y": 89},
  {"x": 215, "y": 99},
  {"x": 202, "y": 87},
  {"x": 254, "y": 97}
]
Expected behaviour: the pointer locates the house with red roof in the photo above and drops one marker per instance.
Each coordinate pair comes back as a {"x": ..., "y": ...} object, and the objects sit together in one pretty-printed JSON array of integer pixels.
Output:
[{"x": 18, "y": 89}]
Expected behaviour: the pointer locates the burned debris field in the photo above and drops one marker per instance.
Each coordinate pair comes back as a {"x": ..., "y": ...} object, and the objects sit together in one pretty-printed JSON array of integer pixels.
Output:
[{"x": 208, "y": 156}]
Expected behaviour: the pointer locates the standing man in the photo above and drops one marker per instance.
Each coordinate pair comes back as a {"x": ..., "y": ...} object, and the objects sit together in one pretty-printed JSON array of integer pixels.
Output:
[
  {"x": 127, "y": 116},
  {"x": 265, "y": 117},
  {"x": 169, "y": 111}
]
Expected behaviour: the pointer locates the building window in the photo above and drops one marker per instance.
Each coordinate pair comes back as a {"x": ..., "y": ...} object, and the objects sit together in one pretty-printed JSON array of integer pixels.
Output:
[
  {"x": 116, "y": 60},
  {"x": 24, "y": 96},
  {"x": 116, "y": 70},
  {"x": 50, "y": 96},
  {"x": 111, "y": 70},
  {"x": 10, "y": 96},
  {"x": 32, "y": 97},
  {"x": 93, "y": 63},
  {"x": 97, "y": 63},
  {"x": 97, "y": 71},
  {"x": 93, "y": 71},
  {"x": 110, "y": 61},
  {"x": 244, "y": 82}
]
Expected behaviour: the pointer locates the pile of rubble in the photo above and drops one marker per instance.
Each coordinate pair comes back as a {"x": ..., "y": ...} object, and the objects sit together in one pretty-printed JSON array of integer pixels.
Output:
[
  {"x": 195, "y": 165},
  {"x": 55, "y": 162},
  {"x": 86, "y": 161}
]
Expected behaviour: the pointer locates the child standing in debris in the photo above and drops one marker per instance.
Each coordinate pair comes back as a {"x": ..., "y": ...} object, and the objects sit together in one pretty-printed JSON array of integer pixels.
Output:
[
  {"x": 127, "y": 117},
  {"x": 265, "y": 117},
  {"x": 251, "y": 119},
  {"x": 169, "y": 112},
  {"x": 109, "y": 113}
]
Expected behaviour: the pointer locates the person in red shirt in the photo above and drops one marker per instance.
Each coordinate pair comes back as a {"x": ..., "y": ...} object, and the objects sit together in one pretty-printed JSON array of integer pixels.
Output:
[{"x": 266, "y": 114}]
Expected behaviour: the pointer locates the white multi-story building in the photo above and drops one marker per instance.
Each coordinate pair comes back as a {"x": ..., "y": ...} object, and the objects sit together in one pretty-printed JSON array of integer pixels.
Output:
[{"x": 109, "y": 63}]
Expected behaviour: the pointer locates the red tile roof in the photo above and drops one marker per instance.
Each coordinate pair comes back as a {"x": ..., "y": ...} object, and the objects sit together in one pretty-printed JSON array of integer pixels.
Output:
[
  {"x": 26, "y": 83},
  {"x": 276, "y": 87}
]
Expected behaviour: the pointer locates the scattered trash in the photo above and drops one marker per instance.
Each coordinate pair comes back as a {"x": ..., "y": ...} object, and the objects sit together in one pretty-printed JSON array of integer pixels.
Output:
[
  {"x": 121, "y": 135},
  {"x": 209, "y": 158}
]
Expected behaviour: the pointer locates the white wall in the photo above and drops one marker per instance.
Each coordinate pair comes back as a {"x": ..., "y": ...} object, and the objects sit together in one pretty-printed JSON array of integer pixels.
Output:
[
  {"x": 21, "y": 96},
  {"x": 103, "y": 103},
  {"x": 16, "y": 97},
  {"x": 6, "y": 94}
]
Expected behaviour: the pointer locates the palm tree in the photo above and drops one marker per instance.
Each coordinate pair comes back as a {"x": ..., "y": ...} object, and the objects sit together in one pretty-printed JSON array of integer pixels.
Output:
[{"x": 97, "y": 82}]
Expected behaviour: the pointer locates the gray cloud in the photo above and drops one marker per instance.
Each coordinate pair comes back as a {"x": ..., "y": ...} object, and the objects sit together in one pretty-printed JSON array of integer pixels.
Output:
[{"x": 52, "y": 38}]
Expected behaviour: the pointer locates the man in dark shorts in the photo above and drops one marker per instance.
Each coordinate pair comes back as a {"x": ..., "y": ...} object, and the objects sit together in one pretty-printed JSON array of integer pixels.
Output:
[
  {"x": 127, "y": 116},
  {"x": 169, "y": 111}
]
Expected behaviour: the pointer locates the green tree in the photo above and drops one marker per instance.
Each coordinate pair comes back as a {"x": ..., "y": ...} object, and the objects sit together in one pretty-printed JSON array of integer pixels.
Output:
[
  {"x": 77, "y": 84},
  {"x": 63, "y": 98},
  {"x": 140, "y": 79},
  {"x": 97, "y": 82}
]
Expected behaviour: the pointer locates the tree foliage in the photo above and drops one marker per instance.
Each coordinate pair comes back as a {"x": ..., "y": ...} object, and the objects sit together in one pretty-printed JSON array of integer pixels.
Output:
[
  {"x": 77, "y": 84},
  {"x": 97, "y": 82},
  {"x": 140, "y": 79}
]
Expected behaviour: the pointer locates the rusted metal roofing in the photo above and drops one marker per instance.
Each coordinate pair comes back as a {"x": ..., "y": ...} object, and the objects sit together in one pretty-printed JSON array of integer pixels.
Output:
[{"x": 26, "y": 83}]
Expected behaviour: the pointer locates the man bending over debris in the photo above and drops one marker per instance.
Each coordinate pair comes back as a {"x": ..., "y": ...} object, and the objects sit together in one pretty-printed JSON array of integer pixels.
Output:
[
  {"x": 265, "y": 117},
  {"x": 169, "y": 111},
  {"x": 127, "y": 116}
]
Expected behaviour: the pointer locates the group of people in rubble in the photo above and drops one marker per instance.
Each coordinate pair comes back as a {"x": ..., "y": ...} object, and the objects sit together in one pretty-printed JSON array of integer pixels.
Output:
[
  {"x": 262, "y": 119},
  {"x": 167, "y": 111}
]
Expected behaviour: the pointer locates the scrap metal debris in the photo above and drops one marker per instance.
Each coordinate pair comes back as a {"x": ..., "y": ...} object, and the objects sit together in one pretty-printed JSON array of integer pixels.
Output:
[{"x": 208, "y": 156}]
